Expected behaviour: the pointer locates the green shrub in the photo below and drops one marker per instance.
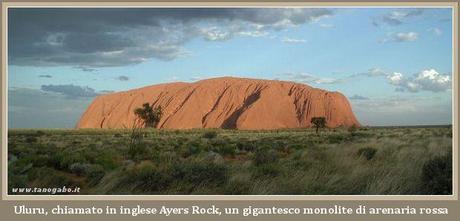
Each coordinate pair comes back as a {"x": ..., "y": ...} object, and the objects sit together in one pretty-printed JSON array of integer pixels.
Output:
[
  {"x": 212, "y": 157},
  {"x": 146, "y": 177},
  {"x": 297, "y": 146},
  {"x": 264, "y": 156},
  {"x": 218, "y": 142},
  {"x": 76, "y": 143},
  {"x": 31, "y": 139},
  {"x": 336, "y": 138},
  {"x": 352, "y": 130},
  {"x": 40, "y": 160},
  {"x": 283, "y": 149},
  {"x": 266, "y": 170},
  {"x": 20, "y": 166},
  {"x": 79, "y": 168},
  {"x": 49, "y": 149},
  {"x": 246, "y": 145},
  {"x": 227, "y": 150},
  {"x": 193, "y": 146},
  {"x": 191, "y": 150},
  {"x": 16, "y": 181},
  {"x": 367, "y": 152},
  {"x": 94, "y": 174},
  {"x": 199, "y": 173},
  {"x": 167, "y": 157},
  {"x": 108, "y": 159},
  {"x": 210, "y": 135},
  {"x": 437, "y": 175},
  {"x": 55, "y": 161},
  {"x": 238, "y": 185},
  {"x": 137, "y": 151},
  {"x": 39, "y": 133},
  {"x": 63, "y": 160},
  {"x": 48, "y": 177},
  {"x": 265, "y": 162}
]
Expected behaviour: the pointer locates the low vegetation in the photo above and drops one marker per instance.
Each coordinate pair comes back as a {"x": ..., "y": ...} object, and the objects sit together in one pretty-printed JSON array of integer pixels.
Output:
[{"x": 400, "y": 160}]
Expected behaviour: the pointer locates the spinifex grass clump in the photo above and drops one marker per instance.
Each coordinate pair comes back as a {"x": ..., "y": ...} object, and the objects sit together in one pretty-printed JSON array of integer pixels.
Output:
[
  {"x": 367, "y": 152},
  {"x": 210, "y": 135},
  {"x": 437, "y": 175},
  {"x": 374, "y": 161}
]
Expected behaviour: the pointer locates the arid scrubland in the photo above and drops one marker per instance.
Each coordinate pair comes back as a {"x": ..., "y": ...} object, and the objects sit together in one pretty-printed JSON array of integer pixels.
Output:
[{"x": 392, "y": 160}]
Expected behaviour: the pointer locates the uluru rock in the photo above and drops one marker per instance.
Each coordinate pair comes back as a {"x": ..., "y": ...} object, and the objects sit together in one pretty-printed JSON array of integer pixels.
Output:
[{"x": 233, "y": 103}]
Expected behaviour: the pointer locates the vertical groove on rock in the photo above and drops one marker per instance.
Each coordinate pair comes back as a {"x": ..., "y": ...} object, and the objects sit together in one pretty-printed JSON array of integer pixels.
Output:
[
  {"x": 179, "y": 107},
  {"x": 230, "y": 122},
  {"x": 203, "y": 120}
]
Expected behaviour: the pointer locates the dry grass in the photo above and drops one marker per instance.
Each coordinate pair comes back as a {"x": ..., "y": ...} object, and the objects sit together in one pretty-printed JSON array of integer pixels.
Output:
[{"x": 393, "y": 161}]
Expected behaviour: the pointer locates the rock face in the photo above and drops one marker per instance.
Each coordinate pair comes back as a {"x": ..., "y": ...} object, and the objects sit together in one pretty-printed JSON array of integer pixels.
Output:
[{"x": 232, "y": 103}]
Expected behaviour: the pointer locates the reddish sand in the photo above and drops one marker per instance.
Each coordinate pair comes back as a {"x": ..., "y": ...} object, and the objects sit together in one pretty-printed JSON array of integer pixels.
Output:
[{"x": 236, "y": 103}]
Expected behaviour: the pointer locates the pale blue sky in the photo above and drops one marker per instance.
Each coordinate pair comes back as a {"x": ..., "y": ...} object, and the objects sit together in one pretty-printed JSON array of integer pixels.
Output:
[{"x": 394, "y": 64}]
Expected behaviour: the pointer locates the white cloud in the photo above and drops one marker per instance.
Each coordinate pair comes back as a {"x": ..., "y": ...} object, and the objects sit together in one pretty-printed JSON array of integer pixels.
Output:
[
  {"x": 310, "y": 78},
  {"x": 409, "y": 36},
  {"x": 293, "y": 40},
  {"x": 376, "y": 72},
  {"x": 432, "y": 80},
  {"x": 395, "y": 78},
  {"x": 397, "y": 17},
  {"x": 214, "y": 34},
  {"x": 255, "y": 33},
  {"x": 426, "y": 80},
  {"x": 219, "y": 34},
  {"x": 401, "y": 37}
]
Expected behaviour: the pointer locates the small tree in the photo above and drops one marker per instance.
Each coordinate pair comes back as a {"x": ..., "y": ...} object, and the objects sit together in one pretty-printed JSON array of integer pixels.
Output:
[
  {"x": 149, "y": 115},
  {"x": 319, "y": 122},
  {"x": 146, "y": 116}
]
